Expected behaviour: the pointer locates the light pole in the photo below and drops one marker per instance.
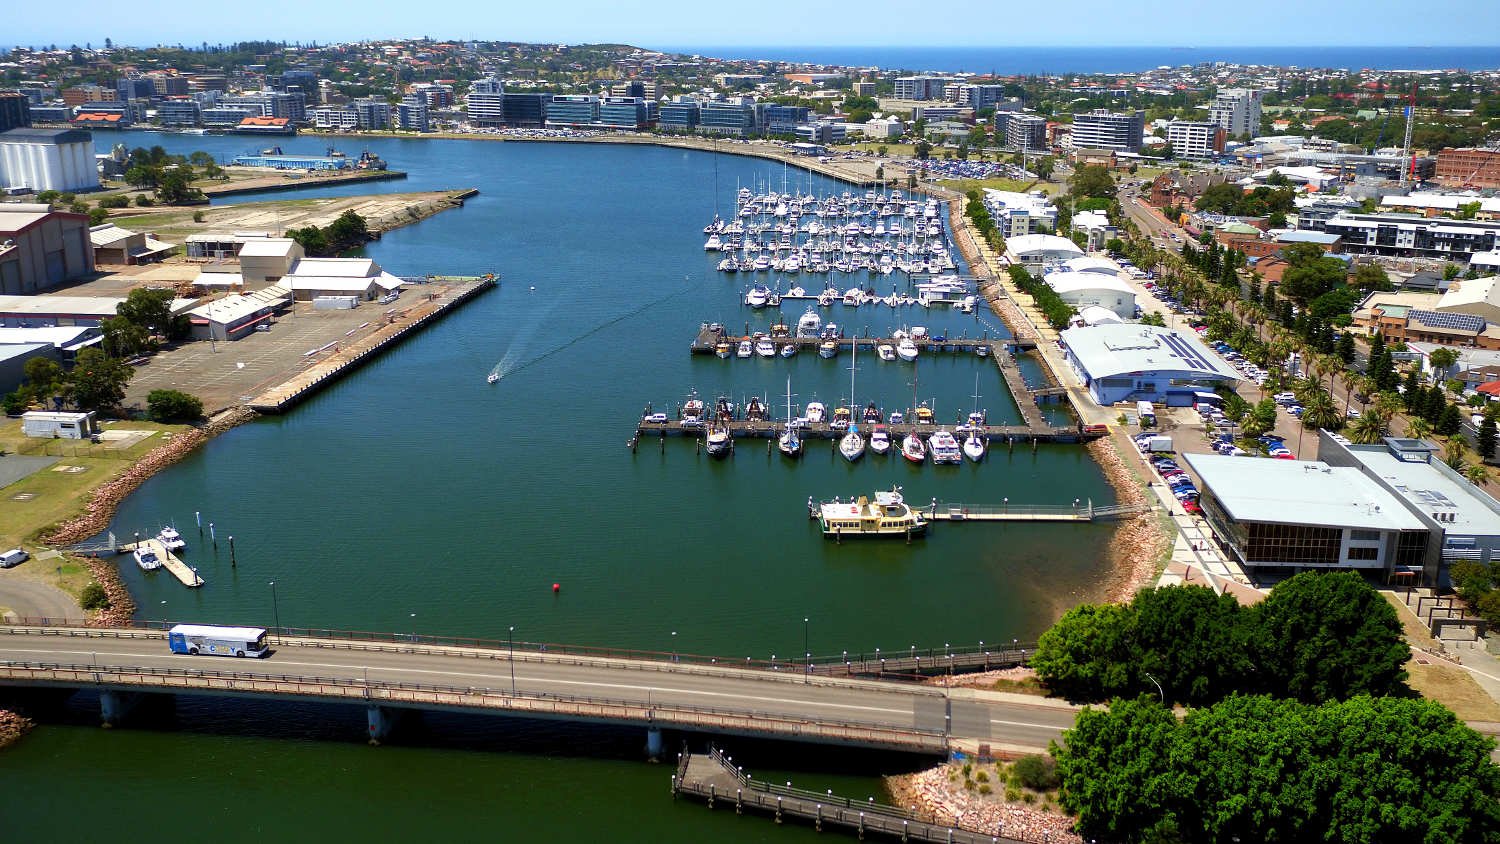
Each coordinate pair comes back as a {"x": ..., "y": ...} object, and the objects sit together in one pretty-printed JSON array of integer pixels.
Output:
[
  {"x": 511, "y": 640},
  {"x": 1159, "y": 692},
  {"x": 414, "y": 627},
  {"x": 806, "y": 653},
  {"x": 275, "y": 611},
  {"x": 674, "y": 645}
]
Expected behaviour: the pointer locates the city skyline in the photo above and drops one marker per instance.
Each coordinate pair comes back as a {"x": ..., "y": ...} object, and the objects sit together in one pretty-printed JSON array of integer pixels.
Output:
[{"x": 679, "y": 22}]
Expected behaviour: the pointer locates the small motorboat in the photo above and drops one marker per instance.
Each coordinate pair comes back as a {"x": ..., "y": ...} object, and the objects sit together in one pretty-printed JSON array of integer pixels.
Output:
[
  {"x": 816, "y": 412},
  {"x": 755, "y": 410},
  {"x": 897, "y": 417},
  {"x": 745, "y": 350},
  {"x": 906, "y": 349},
  {"x": 924, "y": 414},
  {"x": 146, "y": 559},
  {"x": 492, "y": 377},
  {"x": 723, "y": 349},
  {"x": 982, "y": 349},
  {"x": 789, "y": 350},
  {"x": 171, "y": 539},
  {"x": 886, "y": 351},
  {"x": 841, "y": 418},
  {"x": 828, "y": 349},
  {"x": 719, "y": 442},
  {"x": 880, "y": 441},
  {"x": 765, "y": 348}
]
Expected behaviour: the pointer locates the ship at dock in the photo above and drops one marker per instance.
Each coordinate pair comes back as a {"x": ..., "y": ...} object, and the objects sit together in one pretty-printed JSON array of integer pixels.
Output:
[{"x": 887, "y": 515}]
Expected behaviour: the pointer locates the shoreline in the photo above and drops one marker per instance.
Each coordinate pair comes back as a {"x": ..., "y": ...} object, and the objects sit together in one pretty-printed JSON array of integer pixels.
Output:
[
  {"x": 13, "y": 725},
  {"x": 928, "y": 794}
]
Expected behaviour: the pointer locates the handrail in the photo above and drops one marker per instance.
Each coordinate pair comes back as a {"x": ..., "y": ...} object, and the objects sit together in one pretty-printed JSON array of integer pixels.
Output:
[
  {"x": 648, "y": 710},
  {"x": 829, "y": 666}
]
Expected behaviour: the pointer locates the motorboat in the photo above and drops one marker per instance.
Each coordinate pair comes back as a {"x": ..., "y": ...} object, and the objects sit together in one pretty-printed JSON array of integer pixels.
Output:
[
  {"x": 974, "y": 446},
  {"x": 880, "y": 441},
  {"x": 723, "y": 349},
  {"x": 913, "y": 449},
  {"x": 746, "y": 349},
  {"x": 841, "y": 418},
  {"x": 692, "y": 412},
  {"x": 886, "y": 351},
  {"x": 718, "y": 441},
  {"x": 924, "y": 414},
  {"x": 171, "y": 540},
  {"x": 828, "y": 349},
  {"x": 816, "y": 412},
  {"x": 762, "y": 263},
  {"x": 826, "y": 298},
  {"x": 755, "y": 410},
  {"x": 146, "y": 558},
  {"x": 906, "y": 349},
  {"x": 982, "y": 349},
  {"x": 728, "y": 265},
  {"x": 809, "y": 324},
  {"x": 714, "y": 244},
  {"x": 789, "y": 350},
  {"x": 854, "y": 297},
  {"x": 945, "y": 448},
  {"x": 765, "y": 348},
  {"x": 492, "y": 377},
  {"x": 757, "y": 296},
  {"x": 871, "y": 414},
  {"x": 796, "y": 292},
  {"x": 887, "y": 515},
  {"x": 897, "y": 417}
]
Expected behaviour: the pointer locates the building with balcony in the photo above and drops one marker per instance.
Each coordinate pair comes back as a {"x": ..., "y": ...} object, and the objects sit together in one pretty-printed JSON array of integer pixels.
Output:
[
  {"x": 1195, "y": 139},
  {"x": 1411, "y": 236},
  {"x": 1237, "y": 111},
  {"x": 1101, "y": 129}
]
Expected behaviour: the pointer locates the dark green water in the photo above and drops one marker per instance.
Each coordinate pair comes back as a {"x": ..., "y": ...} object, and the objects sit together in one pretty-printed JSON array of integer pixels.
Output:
[{"x": 412, "y": 495}]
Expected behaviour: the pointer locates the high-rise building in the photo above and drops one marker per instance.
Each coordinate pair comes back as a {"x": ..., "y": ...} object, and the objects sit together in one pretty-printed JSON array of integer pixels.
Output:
[
  {"x": 1195, "y": 139},
  {"x": 486, "y": 103},
  {"x": 730, "y": 117},
  {"x": 920, "y": 87},
  {"x": 525, "y": 111},
  {"x": 139, "y": 88},
  {"x": 1025, "y": 131},
  {"x": 181, "y": 112},
  {"x": 411, "y": 113},
  {"x": 1237, "y": 110},
  {"x": 863, "y": 89},
  {"x": 626, "y": 112},
  {"x": 1101, "y": 129},
  {"x": 373, "y": 113},
  {"x": 15, "y": 111},
  {"x": 679, "y": 115},
  {"x": 434, "y": 95},
  {"x": 980, "y": 96},
  {"x": 784, "y": 119},
  {"x": 569, "y": 111}
]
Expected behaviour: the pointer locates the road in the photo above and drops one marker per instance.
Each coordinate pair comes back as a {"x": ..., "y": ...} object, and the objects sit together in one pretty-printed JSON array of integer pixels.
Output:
[
  {"x": 1009, "y": 720},
  {"x": 34, "y": 599}
]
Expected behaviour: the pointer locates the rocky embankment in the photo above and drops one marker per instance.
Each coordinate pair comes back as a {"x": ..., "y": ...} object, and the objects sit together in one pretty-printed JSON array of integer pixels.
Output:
[
  {"x": 934, "y": 795},
  {"x": 412, "y": 213},
  {"x": 1137, "y": 543},
  {"x": 12, "y": 727}
]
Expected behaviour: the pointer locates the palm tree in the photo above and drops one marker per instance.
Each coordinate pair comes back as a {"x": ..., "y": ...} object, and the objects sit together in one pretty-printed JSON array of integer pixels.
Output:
[
  {"x": 1388, "y": 405},
  {"x": 1453, "y": 451},
  {"x": 1477, "y": 473},
  {"x": 1318, "y": 410},
  {"x": 1418, "y": 428},
  {"x": 1369, "y": 430}
]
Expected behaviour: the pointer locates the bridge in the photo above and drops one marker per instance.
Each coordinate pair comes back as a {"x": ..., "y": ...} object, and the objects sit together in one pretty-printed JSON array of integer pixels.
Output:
[{"x": 842, "y": 700}]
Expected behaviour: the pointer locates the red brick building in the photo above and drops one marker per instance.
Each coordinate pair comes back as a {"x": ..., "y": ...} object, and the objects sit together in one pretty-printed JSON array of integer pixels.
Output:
[{"x": 1479, "y": 168}]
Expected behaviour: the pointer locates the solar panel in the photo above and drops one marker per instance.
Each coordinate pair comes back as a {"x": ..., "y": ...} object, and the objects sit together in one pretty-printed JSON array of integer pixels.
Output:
[{"x": 1443, "y": 319}]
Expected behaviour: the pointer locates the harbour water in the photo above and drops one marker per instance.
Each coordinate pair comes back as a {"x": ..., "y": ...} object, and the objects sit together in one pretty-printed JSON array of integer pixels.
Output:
[{"x": 412, "y": 495}]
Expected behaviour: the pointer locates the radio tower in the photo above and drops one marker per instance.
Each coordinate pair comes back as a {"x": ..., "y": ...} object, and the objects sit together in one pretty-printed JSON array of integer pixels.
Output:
[{"x": 1407, "y": 162}]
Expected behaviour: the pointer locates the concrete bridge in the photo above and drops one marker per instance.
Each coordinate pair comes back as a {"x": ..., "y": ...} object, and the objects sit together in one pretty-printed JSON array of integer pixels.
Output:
[{"x": 824, "y": 703}]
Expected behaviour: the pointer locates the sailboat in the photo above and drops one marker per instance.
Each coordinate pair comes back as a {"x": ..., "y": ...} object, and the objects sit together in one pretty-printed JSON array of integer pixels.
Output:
[
  {"x": 790, "y": 442},
  {"x": 852, "y": 445},
  {"x": 912, "y": 447},
  {"x": 974, "y": 443}
]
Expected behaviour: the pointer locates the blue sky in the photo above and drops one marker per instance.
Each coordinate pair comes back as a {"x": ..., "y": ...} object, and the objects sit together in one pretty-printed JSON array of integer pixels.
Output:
[{"x": 957, "y": 23}]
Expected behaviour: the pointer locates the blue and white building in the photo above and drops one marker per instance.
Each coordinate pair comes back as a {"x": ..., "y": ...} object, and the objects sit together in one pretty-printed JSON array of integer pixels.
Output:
[{"x": 1143, "y": 363}]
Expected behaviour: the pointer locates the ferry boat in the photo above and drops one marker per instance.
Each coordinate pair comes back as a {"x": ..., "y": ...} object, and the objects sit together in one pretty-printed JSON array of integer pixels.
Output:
[
  {"x": 945, "y": 448},
  {"x": 170, "y": 539},
  {"x": 828, "y": 349},
  {"x": 887, "y": 515}
]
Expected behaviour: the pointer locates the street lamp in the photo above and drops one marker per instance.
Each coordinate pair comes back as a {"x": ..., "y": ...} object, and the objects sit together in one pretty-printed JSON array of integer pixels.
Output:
[
  {"x": 414, "y": 627},
  {"x": 275, "y": 611},
  {"x": 1159, "y": 692},
  {"x": 511, "y": 640},
  {"x": 806, "y": 653}
]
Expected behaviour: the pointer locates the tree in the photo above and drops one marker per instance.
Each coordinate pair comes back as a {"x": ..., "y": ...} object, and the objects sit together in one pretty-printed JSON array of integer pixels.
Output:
[
  {"x": 1477, "y": 473},
  {"x": 1195, "y": 643},
  {"x": 1087, "y": 654},
  {"x": 1044, "y": 167},
  {"x": 1311, "y": 274},
  {"x": 1450, "y": 421},
  {"x": 922, "y": 149},
  {"x": 1442, "y": 360},
  {"x": 150, "y": 309},
  {"x": 347, "y": 232},
  {"x": 43, "y": 376},
  {"x": 172, "y": 405},
  {"x": 1154, "y": 318},
  {"x": 311, "y": 239},
  {"x": 123, "y": 338},
  {"x": 1092, "y": 180},
  {"x": 1487, "y": 437},
  {"x": 175, "y": 189},
  {"x": 97, "y": 380},
  {"x": 1345, "y": 350},
  {"x": 97, "y": 216},
  {"x": 1117, "y": 770},
  {"x": 143, "y": 176},
  {"x": 1329, "y": 636},
  {"x": 1221, "y": 198},
  {"x": 1372, "y": 277}
]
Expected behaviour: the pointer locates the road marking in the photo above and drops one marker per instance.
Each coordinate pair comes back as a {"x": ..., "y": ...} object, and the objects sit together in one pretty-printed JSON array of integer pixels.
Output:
[{"x": 1026, "y": 724}]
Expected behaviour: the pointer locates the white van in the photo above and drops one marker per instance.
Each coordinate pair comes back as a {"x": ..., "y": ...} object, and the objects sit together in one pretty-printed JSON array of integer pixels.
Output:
[
  {"x": 13, "y": 557},
  {"x": 1146, "y": 412}
]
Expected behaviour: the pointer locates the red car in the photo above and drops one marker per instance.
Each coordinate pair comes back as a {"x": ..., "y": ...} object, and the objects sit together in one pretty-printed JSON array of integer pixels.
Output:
[{"x": 1191, "y": 507}]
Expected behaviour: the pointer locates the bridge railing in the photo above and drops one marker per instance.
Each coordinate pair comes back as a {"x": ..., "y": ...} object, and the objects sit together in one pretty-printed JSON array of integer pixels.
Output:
[
  {"x": 520, "y": 701},
  {"x": 844, "y": 664}
]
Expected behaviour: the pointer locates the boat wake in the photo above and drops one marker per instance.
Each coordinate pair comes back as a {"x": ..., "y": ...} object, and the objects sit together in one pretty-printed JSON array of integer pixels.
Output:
[{"x": 509, "y": 365}]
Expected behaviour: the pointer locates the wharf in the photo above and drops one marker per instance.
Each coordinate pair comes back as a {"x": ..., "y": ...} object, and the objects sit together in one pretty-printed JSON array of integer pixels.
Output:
[
  {"x": 180, "y": 570},
  {"x": 714, "y": 778},
  {"x": 1037, "y": 432},
  {"x": 398, "y": 325},
  {"x": 707, "y": 341}
]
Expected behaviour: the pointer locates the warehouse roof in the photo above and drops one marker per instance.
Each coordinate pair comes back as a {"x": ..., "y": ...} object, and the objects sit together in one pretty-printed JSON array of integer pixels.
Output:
[
  {"x": 1110, "y": 350},
  {"x": 1300, "y": 492}
]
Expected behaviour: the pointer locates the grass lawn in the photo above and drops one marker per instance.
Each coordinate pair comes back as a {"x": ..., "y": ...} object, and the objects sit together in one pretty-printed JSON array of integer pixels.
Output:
[
  {"x": 61, "y": 495},
  {"x": 897, "y": 150},
  {"x": 1447, "y": 684},
  {"x": 963, "y": 185}
]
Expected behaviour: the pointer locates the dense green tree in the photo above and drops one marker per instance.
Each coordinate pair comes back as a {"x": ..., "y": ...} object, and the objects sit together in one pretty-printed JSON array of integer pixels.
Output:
[
  {"x": 123, "y": 338},
  {"x": 1486, "y": 437},
  {"x": 173, "y": 406},
  {"x": 43, "y": 376},
  {"x": 97, "y": 380},
  {"x": 1092, "y": 180},
  {"x": 1220, "y": 198},
  {"x": 150, "y": 309},
  {"x": 1195, "y": 643},
  {"x": 1311, "y": 274},
  {"x": 347, "y": 232},
  {"x": 1088, "y": 654},
  {"x": 1450, "y": 421},
  {"x": 1327, "y": 636},
  {"x": 1346, "y": 351},
  {"x": 175, "y": 188},
  {"x": 311, "y": 239},
  {"x": 1117, "y": 770}
]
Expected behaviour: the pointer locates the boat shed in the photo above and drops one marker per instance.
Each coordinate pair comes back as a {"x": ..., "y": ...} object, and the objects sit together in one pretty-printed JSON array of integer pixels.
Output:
[
  {"x": 1132, "y": 362},
  {"x": 313, "y": 278},
  {"x": 236, "y": 315}
]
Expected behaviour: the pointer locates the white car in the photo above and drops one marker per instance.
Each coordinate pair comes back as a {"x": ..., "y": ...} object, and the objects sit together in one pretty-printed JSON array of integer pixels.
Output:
[{"x": 656, "y": 419}]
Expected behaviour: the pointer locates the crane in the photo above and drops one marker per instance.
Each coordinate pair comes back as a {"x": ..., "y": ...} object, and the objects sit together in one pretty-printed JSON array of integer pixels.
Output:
[{"x": 1408, "y": 162}]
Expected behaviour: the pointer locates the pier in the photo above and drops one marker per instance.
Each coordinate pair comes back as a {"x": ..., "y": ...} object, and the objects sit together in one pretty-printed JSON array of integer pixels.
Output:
[
  {"x": 714, "y": 778},
  {"x": 171, "y": 562},
  {"x": 1037, "y": 432},
  {"x": 280, "y": 398}
]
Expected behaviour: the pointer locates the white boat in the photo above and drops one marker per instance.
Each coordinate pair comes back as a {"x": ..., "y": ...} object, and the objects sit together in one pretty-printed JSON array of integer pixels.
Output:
[
  {"x": 809, "y": 324},
  {"x": 790, "y": 441},
  {"x": 692, "y": 412},
  {"x": 765, "y": 348},
  {"x": 492, "y": 377},
  {"x": 897, "y": 417},
  {"x": 854, "y": 297},
  {"x": 714, "y": 244},
  {"x": 945, "y": 448},
  {"x": 880, "y": 441},
  {"x": 723, "y": 349},
  {"x": 171, "y": 539},
  {"x": 886, "y": 351},
  {"x": 757, "y": 296},
  {"x": 796, "y": 292},
  {"x": 789, "y": 350},
  {"x": 762, "y": 262},
  {"x": 887, "y": 515},
  {"x": 718, "y": 441},
  {"x": 828, "y": 349},
  {"x": 974, "y": 446},
  {"x": 146, "y": 558},
  {"x": 852, "y": 444},
  {"x": 906, "y": 349},
  {"x": 816, "y": 412},
  {"x": 746, "y": 349}
]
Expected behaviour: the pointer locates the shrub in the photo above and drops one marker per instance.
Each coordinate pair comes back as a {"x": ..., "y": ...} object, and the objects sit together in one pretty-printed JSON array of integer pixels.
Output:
[
  {"x": 1012, "y": 794},
  {"x": 982, "y": 777},
  {"x": 197, "y": 216},
  {"x": 144, "y": 201},
  {"x": 968, "y": 785},
  {"x": 1037, "y": 772},
  {"x": 14, "y": 404},
  {"x": 93, "y": 597},
  {"x": 1028, "y": 796},
  {"x": 98, "y": 215},
  {"x": 169, "y": 405},
  {"x": 116, "y": 201},
  {"x": 984, "y": 789}
]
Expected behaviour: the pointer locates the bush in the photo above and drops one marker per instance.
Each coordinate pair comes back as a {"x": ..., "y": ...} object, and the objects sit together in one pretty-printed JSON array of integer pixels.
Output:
[
  {"x": 14, "y": 404},
  {"x": 93, "y": 597},
  {"x": 982, "y": 777},
  {"x": 984, "y": 789},
  {"x": 1012, "y": 794},
  {"x": 171, "y": 405},
  {"x": 197, "y": 216},
  {"x": 98, "y": 216},
  {"x": 1038, "y": 773},
  {"x": 116, "y": 201},
  {"x": 144, "y": 201}
]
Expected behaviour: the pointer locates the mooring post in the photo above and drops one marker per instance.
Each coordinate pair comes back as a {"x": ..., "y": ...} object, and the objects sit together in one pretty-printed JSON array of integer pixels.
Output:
[{"x": 231, "y": 552}]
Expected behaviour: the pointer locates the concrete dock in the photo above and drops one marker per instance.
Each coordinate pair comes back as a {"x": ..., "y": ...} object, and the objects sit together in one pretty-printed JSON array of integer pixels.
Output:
[{"x": 180, "y": 570}]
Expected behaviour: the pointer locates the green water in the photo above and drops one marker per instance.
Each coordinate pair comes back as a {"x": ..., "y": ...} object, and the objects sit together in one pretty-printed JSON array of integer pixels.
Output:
[{"x": 412, "y": 495}]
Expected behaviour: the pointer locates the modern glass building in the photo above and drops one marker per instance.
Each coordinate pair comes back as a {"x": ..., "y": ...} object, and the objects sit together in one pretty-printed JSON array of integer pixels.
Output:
[
  {"x": 679, "y": 117},
  {"x": 626, "y": 113},
  {"x": 727, "y": 119},
  {"x": 572, "y": 111}
]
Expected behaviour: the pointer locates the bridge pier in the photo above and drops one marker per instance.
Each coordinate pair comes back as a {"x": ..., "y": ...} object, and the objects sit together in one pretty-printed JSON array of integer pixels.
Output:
[
  {"x": 653, "y": 743},
  {"x": 114, "y": 706},
  {"x": 382, "y": 720}
]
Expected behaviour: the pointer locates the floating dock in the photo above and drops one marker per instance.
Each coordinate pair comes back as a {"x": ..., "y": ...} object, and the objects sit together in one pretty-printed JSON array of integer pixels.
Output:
[
  {"x": 754, "y": 429},
  {"x": 180, "y": 570},
  {"x": 398, "y": 325}
]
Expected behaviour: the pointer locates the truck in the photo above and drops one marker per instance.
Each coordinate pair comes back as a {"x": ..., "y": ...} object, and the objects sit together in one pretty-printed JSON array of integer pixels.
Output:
[
  {"x": 1159, "y": 444},
  {"x": 1146, "y": 412}
]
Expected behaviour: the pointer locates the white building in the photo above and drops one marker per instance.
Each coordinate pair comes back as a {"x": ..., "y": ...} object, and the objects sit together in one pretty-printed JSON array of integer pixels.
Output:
[
  {"x": 1037, "y": 250},
  {"x": 1084, "y": 290},
  {"x": 1102, "y": 129},
  {"x": 312, "y": 278},
  {"x": 1486, "y": 262},
  {"x": 48, "y": 159},
  {"x": 1195, "y": 139},
  {"x": 1237, "y": 110},
  {"x": 486, "y": 102},
  {"x": 1091, "y": 264},
  {"x": 341, "y": 118},
  {"x": 1017, "y": 214},
  {"x": 1096, "y": 227},
  {"x": 1143, "y": 363}
]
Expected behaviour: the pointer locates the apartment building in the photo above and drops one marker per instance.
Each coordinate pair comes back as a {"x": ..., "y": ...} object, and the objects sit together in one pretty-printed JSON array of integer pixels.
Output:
[{"x": 1102, "y": 129}]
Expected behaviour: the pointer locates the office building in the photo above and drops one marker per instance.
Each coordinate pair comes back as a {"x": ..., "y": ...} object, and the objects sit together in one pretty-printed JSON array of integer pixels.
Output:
[
  {"x": 81, "y": 94},
  {"x": 15, "y": 111},
  {"x": 1196, "y": 140},
  {"x": 679, "y": 115},
  {"x": 178, "y": 113},
  {"x": 48, "y": 159},
  {"x": 920, "y": 87},
  {"x": 572, "y": 111},
  {"x": 169, "y": 85},
  {"x": 646, "y": 90},
  {"x": 1143, "y": 363},
  {"x": 1469, "y": 167},
  {"x": 134, "y": 89},
  {"x": 626, "y": 113},
  {"x": 1024, "y": 131},
  {"x": 728, "y": 118},
  {"x": 1101, "y": 129},
  {"x": 1237, "y": 111},
  {"x": 863, "y": 89},
  {"x": 783, "y": 119},
  {"x": 525, "y": 111},
  {"x": 486, "y": 102},
  {"x": 1408, "y": 236}
]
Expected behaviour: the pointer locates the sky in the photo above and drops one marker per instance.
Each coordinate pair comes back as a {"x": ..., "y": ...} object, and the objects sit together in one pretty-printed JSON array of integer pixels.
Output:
[{"x": 652, "y": 23}]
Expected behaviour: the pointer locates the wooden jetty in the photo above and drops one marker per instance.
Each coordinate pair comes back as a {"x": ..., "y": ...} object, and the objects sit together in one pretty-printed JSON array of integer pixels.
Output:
[
  {"x": 714, "y": 778},
  {"x": 180, "y": 570},
  {"x": 1011, "y": 435},
  {"x": 283, "y": 396},
  {"x": 707, "y": 340}
]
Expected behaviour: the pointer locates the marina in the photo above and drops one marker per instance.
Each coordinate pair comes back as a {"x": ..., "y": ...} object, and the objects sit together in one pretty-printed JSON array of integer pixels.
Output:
[{"x": 152, "y": 554}]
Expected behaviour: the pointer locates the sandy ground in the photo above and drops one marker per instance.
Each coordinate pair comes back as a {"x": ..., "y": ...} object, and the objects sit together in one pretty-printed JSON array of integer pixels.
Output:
[
  {"x": 260, "y": 178},
  {"x": 382, "y": 212}
]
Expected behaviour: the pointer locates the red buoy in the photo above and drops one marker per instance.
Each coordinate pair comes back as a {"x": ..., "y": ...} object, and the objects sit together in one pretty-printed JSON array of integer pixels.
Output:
[{"x": 557, "y": 587}]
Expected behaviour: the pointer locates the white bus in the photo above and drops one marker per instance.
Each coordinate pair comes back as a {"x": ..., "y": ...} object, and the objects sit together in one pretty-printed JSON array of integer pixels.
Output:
[{"x": 220, "y": 641}]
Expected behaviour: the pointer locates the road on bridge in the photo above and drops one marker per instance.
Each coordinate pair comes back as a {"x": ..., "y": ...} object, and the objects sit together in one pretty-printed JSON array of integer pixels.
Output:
[{"x": 969, "y": 717}]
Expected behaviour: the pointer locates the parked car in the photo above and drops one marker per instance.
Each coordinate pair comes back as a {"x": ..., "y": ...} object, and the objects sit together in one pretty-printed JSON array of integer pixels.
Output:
[{"x": 13, "y": 557}]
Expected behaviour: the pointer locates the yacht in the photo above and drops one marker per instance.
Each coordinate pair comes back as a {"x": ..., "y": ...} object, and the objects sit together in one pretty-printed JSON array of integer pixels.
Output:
[
  {"x": 755, "y": 410},
  {"x": 146, "y": 558},
  {"x": 886, "y": 351},
  {"x": 762, "y": 263},
  {"x": 854, "y": 297},
  {"x": 757, "y": 296},
  {"x": 945, "y": 448},
  {"x": 974, "y": 446},
  {"x": 790, "y": 441},
  {"x": 897, "y": 417},
  {"x": 828, "y": 349},
  {"x": 887, "y": 515},
  {"x": 171, "y": 539},
  {"x": 913, "y": 449},
  {"x": 765, "y": 348},
  {"x": 789, "y": 350},
  {"x": 692, "y": 412},
  {"x": 714, "y": 244},
  {"x": 723, "y": 349},
  {"x": 745, "y": 349},
  {"x": 816, "y": 412},
  {"x": 719, "y": 441},
  {"x": 906, "y": 349},
  {"x": 880, "y": 441},
  {"x": 728, "y": 265},
  {"x": 809, "y": 324},
  {"x": 982, "y": 349}
]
